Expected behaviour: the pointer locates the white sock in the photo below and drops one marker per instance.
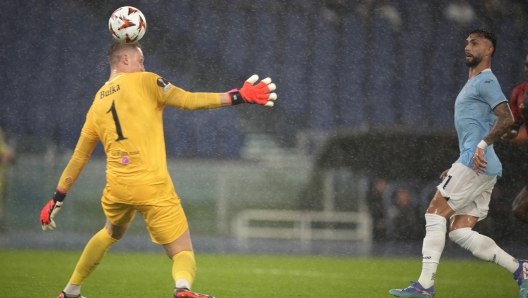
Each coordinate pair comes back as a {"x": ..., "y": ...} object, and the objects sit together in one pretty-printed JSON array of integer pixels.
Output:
[
  {"x": 72, "y": 290},
  {"x": 183, "y": 283},
  {"x": 483, "y": 248},
  {"x": 433, "y": 245}
]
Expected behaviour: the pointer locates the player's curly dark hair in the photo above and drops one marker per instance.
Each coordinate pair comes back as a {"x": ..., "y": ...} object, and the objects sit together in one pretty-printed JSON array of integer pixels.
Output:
[
  {"x": 487, "y": 35},
  {"x": 116, "y": 47}
]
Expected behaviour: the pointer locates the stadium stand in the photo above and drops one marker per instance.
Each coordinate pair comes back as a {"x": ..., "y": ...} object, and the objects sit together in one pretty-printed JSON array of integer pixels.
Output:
[
  {"x": 352, "y": 92},
  {"x": 294, "y": 77},
  {"x": 382, "y": 73},
  {"x": 323, "y": 75},
  {"x": 334, "y": 71}
]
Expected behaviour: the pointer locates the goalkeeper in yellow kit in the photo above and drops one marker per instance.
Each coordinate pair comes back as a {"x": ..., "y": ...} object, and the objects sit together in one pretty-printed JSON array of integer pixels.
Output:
[{"x": 126, "y": 116}]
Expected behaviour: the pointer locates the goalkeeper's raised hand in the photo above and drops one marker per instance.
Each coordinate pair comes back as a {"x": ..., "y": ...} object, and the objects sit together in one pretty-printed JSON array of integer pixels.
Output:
[
  {"x": 51, "y": 209},
  {"x": 256, "y": 94}
]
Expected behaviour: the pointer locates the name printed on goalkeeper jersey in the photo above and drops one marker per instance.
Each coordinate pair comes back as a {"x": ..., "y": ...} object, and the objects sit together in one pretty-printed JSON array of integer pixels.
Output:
[{"x": 111, "y": 90}]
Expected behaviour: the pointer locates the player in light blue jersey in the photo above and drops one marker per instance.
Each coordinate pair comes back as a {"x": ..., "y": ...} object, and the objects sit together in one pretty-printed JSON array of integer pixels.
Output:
[
  {"x": 474, "y": 118},
  {"x": 482, "y": 117}
]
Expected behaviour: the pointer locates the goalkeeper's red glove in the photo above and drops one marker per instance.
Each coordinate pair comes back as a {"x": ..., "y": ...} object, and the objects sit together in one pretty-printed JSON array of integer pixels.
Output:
[
  {"x": 51, "y": 209},
  {"x": 258, "y": 94}
]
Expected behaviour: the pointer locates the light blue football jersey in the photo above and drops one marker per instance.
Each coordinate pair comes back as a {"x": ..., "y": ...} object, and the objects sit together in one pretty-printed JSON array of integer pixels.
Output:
[{"x": 474, "y": 118}]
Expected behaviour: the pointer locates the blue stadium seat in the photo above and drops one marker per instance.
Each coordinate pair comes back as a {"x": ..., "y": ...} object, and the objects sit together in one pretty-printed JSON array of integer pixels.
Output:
[
  {"x": 352, "y": 74},
  {"x": 266, "y": 45},
  {"x": 207, "y": 33},
  {"x": 156, "y": 65},
  {"x": 507, "y": 65},
  {"x": 410, "y": 94},
  {"x": 79, "y": 81},
  {"x": 323, "y": 80},
  {"x": 294, "y": 77},
  {"x": 230, "y": 137},
  {"x": 179, "y": 14},
  {"x": 447, "y": 73},
  {"x": 418, "y": 18},
  {"x": 382, "y": 74},
  {"x": 416, "y": 39},
  {"x": 178, "y": 135},
  {"x": 235, "y": 50},
  {"x": 205, "y": 133}
]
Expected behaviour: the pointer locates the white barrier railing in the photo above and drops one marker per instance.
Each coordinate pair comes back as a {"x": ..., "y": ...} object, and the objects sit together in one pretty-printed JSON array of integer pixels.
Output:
[{"x": 304, "y": 225}]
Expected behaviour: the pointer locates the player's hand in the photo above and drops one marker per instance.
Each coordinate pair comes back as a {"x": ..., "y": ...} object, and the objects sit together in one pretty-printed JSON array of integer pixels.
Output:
[
  {"x": 444, "y": 173},
  {"x": 479, "y": 163},
  {"x": 256, "y": 94},
  {"x": 512, "y": 132},
  {"x": 50, "y": 210}
]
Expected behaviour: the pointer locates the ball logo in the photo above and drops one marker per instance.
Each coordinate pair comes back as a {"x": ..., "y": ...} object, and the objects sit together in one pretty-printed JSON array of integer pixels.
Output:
[
  {"x": 162, "y": 82},
  {"x": 125, "y": 160}
]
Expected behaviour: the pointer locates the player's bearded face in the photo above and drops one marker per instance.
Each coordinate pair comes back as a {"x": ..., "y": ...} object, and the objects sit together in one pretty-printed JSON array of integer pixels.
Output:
[
  {"x": 473, "y": 60},
  {"x": 476, "y": 49}
]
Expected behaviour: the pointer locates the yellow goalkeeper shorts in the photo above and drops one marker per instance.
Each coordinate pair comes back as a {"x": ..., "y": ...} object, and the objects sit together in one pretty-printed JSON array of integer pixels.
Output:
[{"x": 164, "y": 223}]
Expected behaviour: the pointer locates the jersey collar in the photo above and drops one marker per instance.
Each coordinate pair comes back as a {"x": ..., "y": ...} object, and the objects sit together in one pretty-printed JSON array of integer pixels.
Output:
[
  {"x": 115, "y": 76},
  {"x": 485, "y": 70}
]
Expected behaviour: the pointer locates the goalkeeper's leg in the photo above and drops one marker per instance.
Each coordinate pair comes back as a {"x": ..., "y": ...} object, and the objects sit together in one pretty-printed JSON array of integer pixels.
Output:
[
  {"x": 184, "y": 264},
  {"x": 93, "y": 254}
]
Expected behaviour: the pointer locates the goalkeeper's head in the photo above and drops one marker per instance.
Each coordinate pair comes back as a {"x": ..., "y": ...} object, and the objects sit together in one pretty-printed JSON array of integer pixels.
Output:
[{"x": 125, "y": 58}]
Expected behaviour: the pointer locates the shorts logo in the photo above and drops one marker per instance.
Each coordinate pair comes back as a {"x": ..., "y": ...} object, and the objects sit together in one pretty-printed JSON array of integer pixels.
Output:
[{"x": 162, "y": 82}]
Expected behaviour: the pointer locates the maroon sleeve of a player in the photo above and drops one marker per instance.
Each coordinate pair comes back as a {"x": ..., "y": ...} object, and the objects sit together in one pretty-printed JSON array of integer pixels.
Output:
[{"x": 516, "y": 99}]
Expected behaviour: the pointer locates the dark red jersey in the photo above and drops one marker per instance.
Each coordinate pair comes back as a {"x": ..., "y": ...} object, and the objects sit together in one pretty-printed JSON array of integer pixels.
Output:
[{"x": 517, "y": 99}]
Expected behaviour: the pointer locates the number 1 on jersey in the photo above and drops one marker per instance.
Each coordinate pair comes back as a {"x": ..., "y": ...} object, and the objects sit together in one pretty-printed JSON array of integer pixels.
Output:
[{"x": 116, "y": 121}]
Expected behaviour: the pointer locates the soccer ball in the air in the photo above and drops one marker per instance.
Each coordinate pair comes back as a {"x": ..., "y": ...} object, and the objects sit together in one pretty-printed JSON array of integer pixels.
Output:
[{"x": 127, "y": 24}]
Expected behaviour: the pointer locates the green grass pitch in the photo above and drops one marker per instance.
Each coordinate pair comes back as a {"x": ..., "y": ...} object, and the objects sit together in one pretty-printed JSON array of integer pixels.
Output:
[{"x": 44, "y": 274}]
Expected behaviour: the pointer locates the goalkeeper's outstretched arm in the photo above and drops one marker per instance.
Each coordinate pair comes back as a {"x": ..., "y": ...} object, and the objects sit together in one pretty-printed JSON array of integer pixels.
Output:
[
  {"x": 260, "y": 94},
  {"x": 82, "y": 153}
]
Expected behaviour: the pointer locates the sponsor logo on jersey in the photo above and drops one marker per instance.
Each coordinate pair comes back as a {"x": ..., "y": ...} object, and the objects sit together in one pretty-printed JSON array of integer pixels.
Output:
[
  {"x": 111, "y": 90},
  {"x": 162, "y": 82}
]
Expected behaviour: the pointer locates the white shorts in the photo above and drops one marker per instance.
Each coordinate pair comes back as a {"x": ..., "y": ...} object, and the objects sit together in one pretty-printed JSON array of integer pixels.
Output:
[{"x": 466, "y": 192}]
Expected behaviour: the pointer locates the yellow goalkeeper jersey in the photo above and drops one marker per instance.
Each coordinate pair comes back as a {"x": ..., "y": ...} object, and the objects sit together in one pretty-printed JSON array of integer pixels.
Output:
[{"x": 126, "y": 116}]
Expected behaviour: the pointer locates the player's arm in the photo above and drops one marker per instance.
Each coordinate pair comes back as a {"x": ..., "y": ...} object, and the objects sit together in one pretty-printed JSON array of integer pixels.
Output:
[
  {"x": 502, "y": 124},
  {"x": 85, "y": 146},
  {"x": 260, "y": 93},
  {"x": 517, "y": 112}
]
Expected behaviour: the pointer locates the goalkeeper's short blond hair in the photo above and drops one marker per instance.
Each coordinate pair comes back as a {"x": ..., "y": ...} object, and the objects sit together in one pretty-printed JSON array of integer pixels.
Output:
[{"x": 116, "y": 50}]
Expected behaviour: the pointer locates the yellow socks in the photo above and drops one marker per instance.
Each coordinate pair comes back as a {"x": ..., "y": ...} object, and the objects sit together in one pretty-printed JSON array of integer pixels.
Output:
[
  {"x": 92, "y": 255},
  {"x": 184, "y": 269}
]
